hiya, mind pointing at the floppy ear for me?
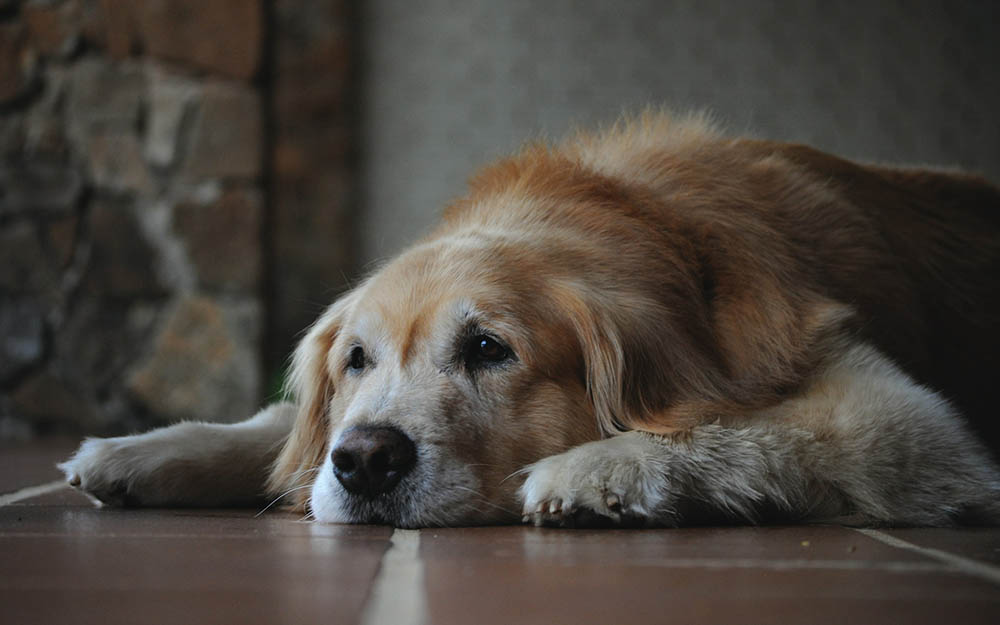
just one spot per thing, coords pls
(636, 361)
(603, 359)
(643, 373)
(309, 383)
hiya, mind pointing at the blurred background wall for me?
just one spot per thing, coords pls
(185, 184)
(450, 84)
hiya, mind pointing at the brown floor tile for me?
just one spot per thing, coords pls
(89, 521)
(616, 592)
(582, 547)
(704, 575)
(978, 543)
(100, 566)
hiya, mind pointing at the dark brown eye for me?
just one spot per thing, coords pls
(357, 359)
(482, 350)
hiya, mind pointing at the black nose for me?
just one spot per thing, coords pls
(369, 461)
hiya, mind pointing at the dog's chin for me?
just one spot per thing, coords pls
(422, 499)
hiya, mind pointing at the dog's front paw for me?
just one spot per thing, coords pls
(617, 482)
(109, 470)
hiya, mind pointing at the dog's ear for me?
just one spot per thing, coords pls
(635, 361)
(310, 385)
(603, 358)
(652, 369)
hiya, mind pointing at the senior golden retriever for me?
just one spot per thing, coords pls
(652, 325)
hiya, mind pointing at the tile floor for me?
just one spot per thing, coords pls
(64, 561)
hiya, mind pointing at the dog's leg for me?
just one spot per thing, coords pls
(187, 464)
(862, 442)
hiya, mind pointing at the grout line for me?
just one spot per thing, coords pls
(32, 491)
(961, 563)
(398, 595)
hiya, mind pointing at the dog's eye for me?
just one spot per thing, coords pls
(483, 350)
(357, 359)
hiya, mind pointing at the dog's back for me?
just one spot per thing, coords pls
(940, 317)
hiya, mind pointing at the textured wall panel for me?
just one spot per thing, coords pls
(451, 84)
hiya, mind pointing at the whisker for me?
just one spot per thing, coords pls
(308, 510)
(520, 471)
(279, 498)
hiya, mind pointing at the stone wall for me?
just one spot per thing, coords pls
(132, 199)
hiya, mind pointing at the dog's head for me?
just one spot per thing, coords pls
(433, 382)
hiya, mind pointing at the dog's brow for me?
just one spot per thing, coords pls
(414, 331)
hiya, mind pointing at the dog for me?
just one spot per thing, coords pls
(650, 325)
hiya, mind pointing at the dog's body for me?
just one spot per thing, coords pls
(655, 325)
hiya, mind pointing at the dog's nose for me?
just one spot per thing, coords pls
(369, 461)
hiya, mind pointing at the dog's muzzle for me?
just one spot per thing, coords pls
(370, 460)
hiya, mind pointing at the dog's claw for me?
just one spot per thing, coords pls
(613, 502)
(74, 480)
(555, 507)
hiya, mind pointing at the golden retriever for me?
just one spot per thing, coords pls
(651, 325)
